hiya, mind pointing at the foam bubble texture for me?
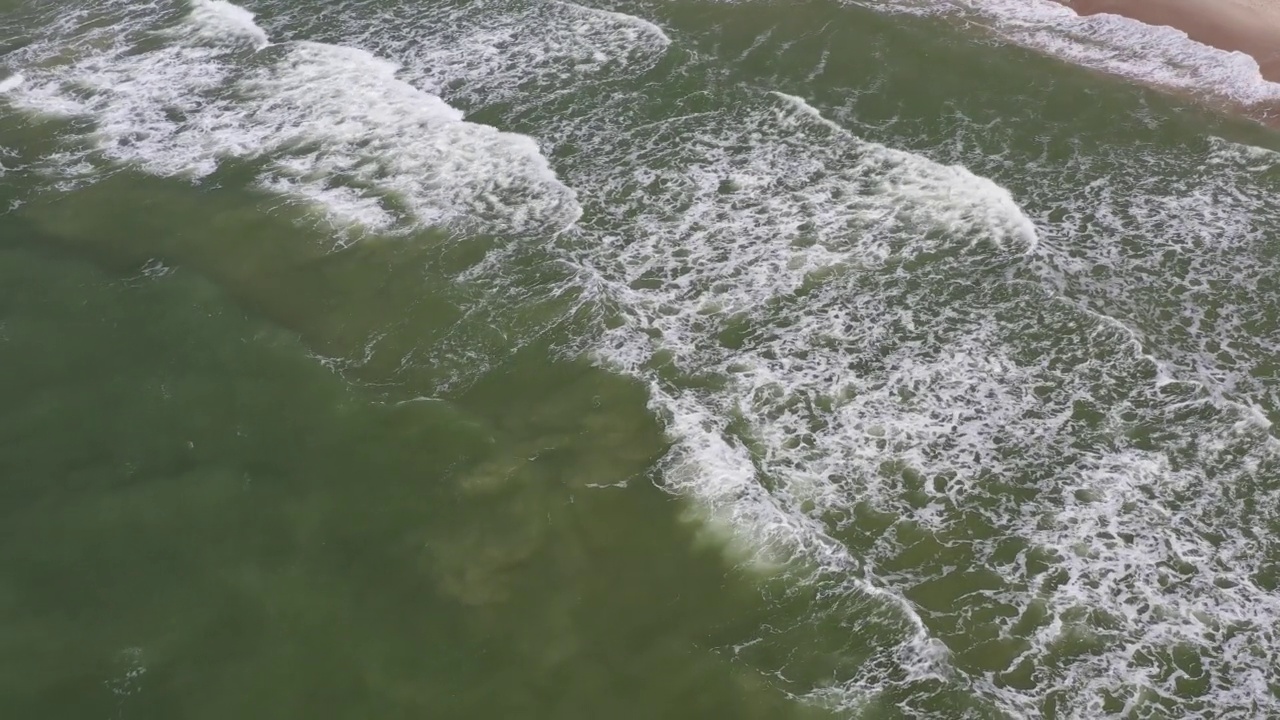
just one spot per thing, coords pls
(333, 123)
(829, 325)
(1155, 55)
(222, 22)
(493, 51)
(835, 331)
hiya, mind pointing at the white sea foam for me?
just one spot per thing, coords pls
(1155, 55)
(758, 232)
(1234, 156)
(634, 31)
(340, 206)
(1164, 542)
(341, 113)
(220, 21)
(1204, 234)
(791, 294)
(831, 326)
(332, 124)
(952, 196)
(10, 82)
(523, 52)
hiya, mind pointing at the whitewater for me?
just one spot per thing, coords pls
(1008, 402)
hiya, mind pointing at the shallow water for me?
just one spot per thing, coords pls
(534, 359)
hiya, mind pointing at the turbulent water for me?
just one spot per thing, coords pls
(897, 358)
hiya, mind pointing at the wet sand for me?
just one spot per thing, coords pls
(1248, 26)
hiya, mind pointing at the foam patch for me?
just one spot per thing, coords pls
(332, 125)
(881, 370)
(828, 324)
(1154, 55)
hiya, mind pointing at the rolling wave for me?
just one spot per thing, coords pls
(884, 376)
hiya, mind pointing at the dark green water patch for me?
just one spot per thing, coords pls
(200, 520)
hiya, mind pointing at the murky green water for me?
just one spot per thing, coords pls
(694, 360)
(201, 520)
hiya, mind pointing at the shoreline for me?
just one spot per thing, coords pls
(1251, 27)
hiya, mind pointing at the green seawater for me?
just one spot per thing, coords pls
(948, 394)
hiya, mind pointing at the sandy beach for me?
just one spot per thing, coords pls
(1248, 26)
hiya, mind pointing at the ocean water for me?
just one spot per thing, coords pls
(634, 359)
